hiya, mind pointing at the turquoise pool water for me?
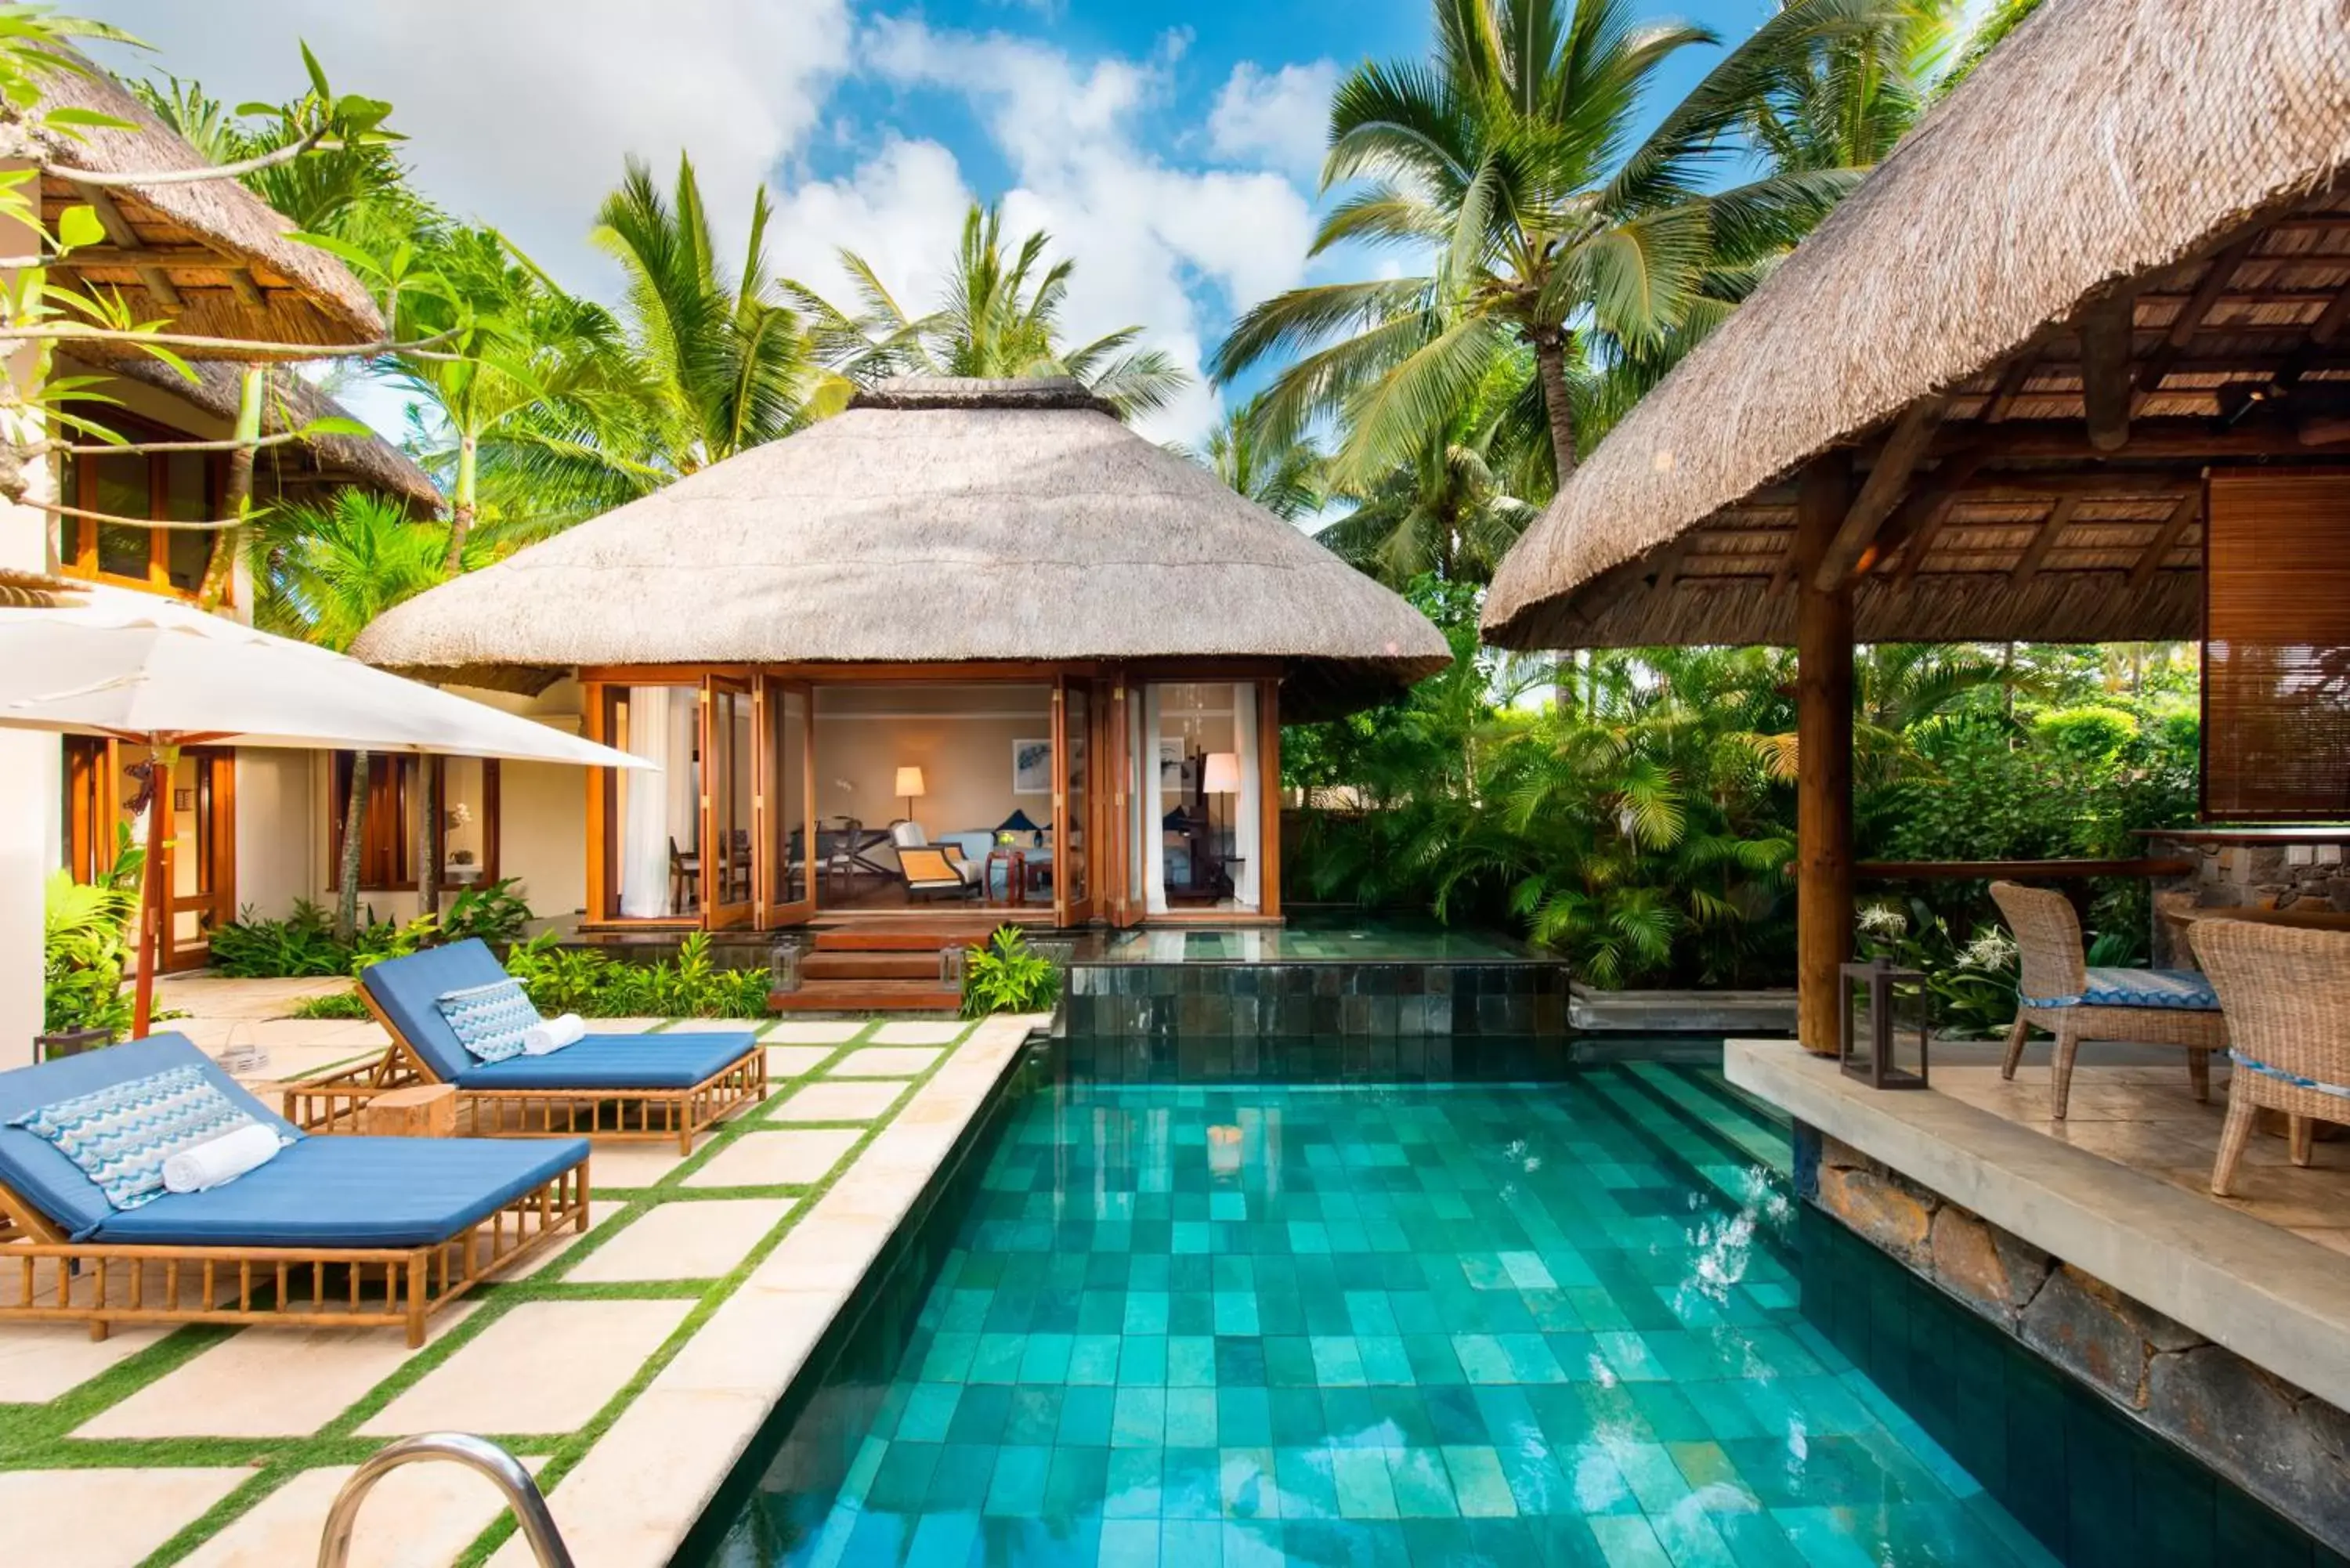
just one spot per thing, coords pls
(1181, 1327)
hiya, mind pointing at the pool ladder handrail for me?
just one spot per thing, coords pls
(504, 1471)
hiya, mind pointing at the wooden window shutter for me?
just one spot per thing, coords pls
(2276, 646)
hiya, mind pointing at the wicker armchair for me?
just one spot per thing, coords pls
(2287, 993)
(2062, 995)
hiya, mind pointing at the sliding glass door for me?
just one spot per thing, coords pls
(729, 891)
(1202, 805)
(1073, 800)
(786, 828)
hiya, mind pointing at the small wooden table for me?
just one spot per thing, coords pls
(1015, 877)
(420, 1110)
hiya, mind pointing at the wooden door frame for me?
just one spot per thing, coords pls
(717, 916)
(1068, 912)
(772, 913)
(215, 774)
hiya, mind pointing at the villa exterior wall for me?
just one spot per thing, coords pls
(2280, 1444)
(278, 852)
(542, 836)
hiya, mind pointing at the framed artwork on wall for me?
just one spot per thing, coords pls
(1031, 766)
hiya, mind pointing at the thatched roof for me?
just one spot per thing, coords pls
(2161, 173)
(931, 521)
(292, 402)
(209, 256)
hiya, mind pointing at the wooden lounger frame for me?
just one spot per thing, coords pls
(332, 1104)
(409, 1284)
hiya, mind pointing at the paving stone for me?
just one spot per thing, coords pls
(105, 1518)
(39, 1361)
(546, 1366)
(886, 1062)
(795, 1061)
(419, 1516)
(777, 1158)
(266, 1382)
(830, 1101)
(631, 1164)
(814, 1031)
(683, 1239)
(599, 1212)
(913, 1032)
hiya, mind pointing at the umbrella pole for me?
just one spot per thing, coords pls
(161, 762)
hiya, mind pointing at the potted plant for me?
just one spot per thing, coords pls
(86, 949)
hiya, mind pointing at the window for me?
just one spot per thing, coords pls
(168, 486)
(1200, 808)
(466, 835)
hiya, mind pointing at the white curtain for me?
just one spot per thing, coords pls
(660, 806)
(1246, 806)
(1150, 831)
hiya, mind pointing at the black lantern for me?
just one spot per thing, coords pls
(1883, 1008)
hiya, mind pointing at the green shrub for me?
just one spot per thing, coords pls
(597, 985)
(334, 1004)
(493, 912)
(86, 945)
(1006, 975)
(304, 944)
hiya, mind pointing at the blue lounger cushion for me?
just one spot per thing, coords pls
(617, 1062)
(54, 1184)
(353, 1193)
(410, 989)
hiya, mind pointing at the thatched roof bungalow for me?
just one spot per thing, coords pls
(2131, 204)
(1015, 549)
(2070, 366)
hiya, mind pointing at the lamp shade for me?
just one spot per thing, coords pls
(1223, 773)
(910, 781)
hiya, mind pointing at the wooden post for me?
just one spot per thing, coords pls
(1823, 745)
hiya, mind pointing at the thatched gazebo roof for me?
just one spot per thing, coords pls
(2117, 253)
(292, 402)
(933, 521)
(208, 257)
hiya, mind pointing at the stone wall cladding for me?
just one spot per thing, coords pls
(2285, 1446)
(2271, 876)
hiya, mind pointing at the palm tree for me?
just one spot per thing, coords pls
(1448, 510)
(2002, 18)
(1511, 163)
(324, 572)
(720, 360)
(1284, 477)
(999, 315)
(1844, 101)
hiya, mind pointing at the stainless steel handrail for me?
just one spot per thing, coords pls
(505, 1472)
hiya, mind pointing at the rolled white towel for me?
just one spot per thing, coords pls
(224, 1158)
(551, 1034)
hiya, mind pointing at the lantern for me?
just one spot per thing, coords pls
(1884, 1009)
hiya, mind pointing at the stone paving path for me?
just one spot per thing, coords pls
(629, 1368)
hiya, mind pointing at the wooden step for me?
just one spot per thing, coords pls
(864, 939)
(867, 996)
(861, 964)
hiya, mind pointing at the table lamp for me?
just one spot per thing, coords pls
(909, 785)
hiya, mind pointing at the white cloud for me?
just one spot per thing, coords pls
(1142, 232)
(521, 111)
(902, 211)
(1281, 117)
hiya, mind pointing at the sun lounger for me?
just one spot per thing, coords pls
(606, 1086)
(334, 1231)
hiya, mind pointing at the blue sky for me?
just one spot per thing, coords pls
(1170, 149)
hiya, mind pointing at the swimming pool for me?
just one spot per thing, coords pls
(1186, 1326)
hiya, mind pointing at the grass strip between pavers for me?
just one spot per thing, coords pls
(34, 1436)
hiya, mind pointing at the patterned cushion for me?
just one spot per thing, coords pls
(2186, 990)
(489, 1020)
(120, 1135)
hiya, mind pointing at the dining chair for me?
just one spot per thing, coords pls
(2286, 992)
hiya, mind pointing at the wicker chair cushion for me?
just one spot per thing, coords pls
(2185, 990)
(2339, 1091)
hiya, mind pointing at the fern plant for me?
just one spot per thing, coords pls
(85, 944)
(1006, 975)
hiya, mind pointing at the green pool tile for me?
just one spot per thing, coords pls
(1131, 1482)
(1139, 1420)
(1289, 1362)
(1192, 1484)
(1246, 1483)
(1236, 1313)
(1365, 1489)
(1101, 1311)
(1423, 1487)
(1077, 1483)
(1235, 1362)
(929, 1410)
(1755, 1541)
(1824, 1536)
(1479, 1486)
(1309, 1482)
(1092, 1358)
(1086, 1415)
(1691, 1540)
(1433, 1359)
(1537, 1486)
(1142, 1361)
(1337, 1362)
(1296, 1415)
(1244, 1418)
(1183, 1542)
(1531, 1359)
(1627, 1540)
(1191, 1418)
(1649, 1470)
(1045, 1358)
(1130, 1543)
(979, 1413)
(950, 1357)
(1384, 1360)
(902, 1478)
(1629, 1357)
(1482, 1359)
(1146, 1313)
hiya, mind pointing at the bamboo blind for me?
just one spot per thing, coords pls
(2276, 646)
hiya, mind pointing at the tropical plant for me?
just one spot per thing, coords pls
(597, 985)
(1844, 100)
(86, 941)
(335, 1004)
(719, 359)
(1004, 974)
(493, 911)
(1511, 163)
(1998, 20)
(301, 945)
(999, 314)
(1284, 475)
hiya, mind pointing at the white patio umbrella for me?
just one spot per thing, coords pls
(87, 659)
